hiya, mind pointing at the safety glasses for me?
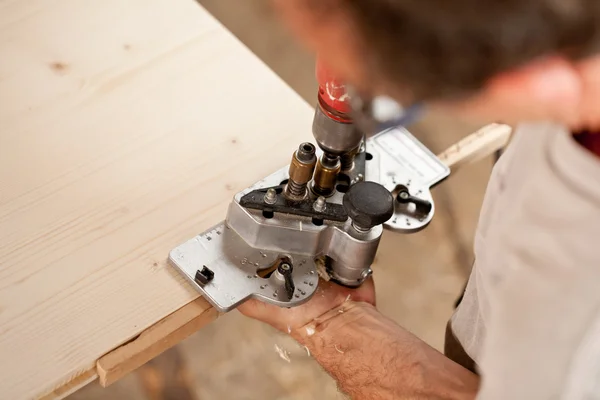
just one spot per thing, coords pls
(381, 113)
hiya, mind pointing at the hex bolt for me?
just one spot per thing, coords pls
(320, 204)
(359, 178)
(271, 196)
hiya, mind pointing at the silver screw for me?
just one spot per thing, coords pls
(320, 204)
(359, 178)
(366, 273)
(271, 196)
(285, 267)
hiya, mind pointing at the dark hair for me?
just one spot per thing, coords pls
(447, 48)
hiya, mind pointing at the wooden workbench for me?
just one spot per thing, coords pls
(125, 129)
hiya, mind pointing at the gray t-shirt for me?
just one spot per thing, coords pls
(530, 316)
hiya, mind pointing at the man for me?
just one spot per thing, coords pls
(530, 317)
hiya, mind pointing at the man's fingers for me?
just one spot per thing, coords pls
(328, 295)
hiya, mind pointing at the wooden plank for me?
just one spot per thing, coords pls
(72, 385)
(156, 339)
(175, 328)
(476, 146)
(125, 128)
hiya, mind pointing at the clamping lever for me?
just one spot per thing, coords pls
(286, 269)
(404, 197)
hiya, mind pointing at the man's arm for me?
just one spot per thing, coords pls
(371, 357)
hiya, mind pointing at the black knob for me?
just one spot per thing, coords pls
(368, 204)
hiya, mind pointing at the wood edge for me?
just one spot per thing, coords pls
(71, 386)
(191, 317)
(477, 146)
(159, 337)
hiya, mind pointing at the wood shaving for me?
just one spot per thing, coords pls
(338, 350)
(347, 298)
(310, 330)
(284, 354)
(322, 271)
(289, 329)
(307, 351)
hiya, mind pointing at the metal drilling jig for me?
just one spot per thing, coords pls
(322, 215)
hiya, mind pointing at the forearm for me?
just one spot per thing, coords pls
(371, 357)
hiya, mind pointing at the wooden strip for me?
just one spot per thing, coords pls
(477, 146)
(155, 340)
(190, 318)
(72, 386)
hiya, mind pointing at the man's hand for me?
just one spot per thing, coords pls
(327, 297)
(368, 354)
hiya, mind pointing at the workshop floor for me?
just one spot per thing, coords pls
(418, 277)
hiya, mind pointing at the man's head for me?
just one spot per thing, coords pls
(494, 59)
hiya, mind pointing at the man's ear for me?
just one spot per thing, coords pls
(548, 89)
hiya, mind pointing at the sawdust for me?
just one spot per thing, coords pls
(338, 350)
(347, 298)
(310, 330)
(283, 354)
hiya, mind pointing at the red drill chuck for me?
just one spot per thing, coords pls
(334, 99)
(332, 127)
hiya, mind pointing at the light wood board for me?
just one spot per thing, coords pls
(125, 129)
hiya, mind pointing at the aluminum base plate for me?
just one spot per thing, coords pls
(237, 268)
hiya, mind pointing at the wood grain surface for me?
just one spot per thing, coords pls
(125, 128)
(160, 337)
